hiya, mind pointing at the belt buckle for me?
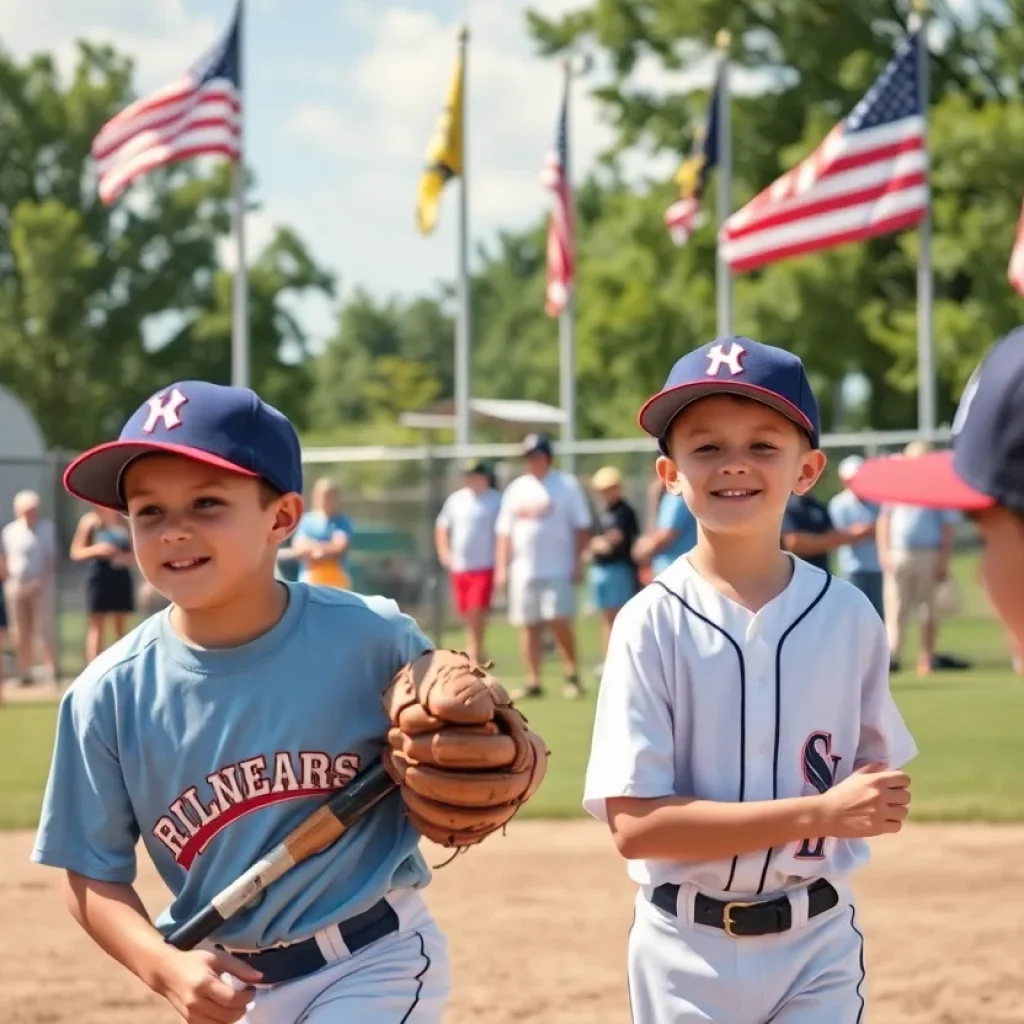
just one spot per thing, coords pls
(727, 921)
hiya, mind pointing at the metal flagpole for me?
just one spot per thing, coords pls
(723, 275)
(462, 331)
(926, 414)
(240, 297)
(567, 320)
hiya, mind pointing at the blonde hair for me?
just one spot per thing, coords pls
(323, 486)
(916, 448)
(25, 500)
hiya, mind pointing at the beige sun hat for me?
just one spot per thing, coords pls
(605, 478)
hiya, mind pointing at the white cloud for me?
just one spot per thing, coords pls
(388, 103)
(162, 35)
(339, 156)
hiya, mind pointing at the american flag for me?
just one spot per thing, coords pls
(561, 255)
(869, 177)
(1016, 269)
(199, 114)
(684, 216)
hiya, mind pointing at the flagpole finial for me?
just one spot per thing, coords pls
(723, 38)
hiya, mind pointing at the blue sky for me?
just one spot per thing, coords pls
(342, 98)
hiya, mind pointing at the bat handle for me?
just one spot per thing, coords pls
(197, 928)
(320, 830)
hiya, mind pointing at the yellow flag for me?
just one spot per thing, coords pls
(444, 156)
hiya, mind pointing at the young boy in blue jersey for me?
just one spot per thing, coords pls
(214, 728)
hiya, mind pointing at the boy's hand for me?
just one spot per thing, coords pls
(873, 801)
(191, 982)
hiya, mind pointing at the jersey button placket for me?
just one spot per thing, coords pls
(760, 714)
(759, 746)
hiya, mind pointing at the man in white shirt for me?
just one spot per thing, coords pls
(465, 541)
(543, 529)
(30, 551)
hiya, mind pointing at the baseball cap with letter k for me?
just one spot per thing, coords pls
(739, 366)
(228, 427)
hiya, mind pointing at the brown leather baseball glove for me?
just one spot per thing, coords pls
(463, 757)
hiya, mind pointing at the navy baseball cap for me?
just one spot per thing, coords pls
(986, 464)
(734, 365)
(227, 427)
(537, 444)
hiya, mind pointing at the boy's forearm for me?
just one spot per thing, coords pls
(115, 919)
(686, 829)
(441, 544)
(502, 550)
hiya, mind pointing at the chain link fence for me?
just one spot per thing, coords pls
(393, 495)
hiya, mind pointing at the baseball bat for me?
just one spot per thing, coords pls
(316, 833)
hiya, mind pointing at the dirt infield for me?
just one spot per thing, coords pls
(934, 954)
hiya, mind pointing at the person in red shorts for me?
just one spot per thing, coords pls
(465, 540)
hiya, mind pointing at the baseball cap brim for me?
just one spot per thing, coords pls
(661, 409)
(929, 480)
(95, 476)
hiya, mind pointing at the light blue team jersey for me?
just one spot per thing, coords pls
(846, 510)
(213, 756)
(914, 527)
(316, 527)
(674, 514)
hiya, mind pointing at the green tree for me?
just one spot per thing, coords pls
(82, 284)
(851, 309)
(385, 358)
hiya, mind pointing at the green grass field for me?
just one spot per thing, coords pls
(967, 725)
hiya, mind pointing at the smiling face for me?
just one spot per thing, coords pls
(204, 536)
(735, 462)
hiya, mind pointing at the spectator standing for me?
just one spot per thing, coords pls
(613, 573)
(543, 529)
(30, 550)
(103, 541)
(323, 539)
(858, 562)
(914, 548)
(465, 541)
(809, 533)
(674, 533)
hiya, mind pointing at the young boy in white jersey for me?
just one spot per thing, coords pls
(746, 742)
(217, 725)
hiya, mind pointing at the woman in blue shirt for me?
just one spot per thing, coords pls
(323, 539)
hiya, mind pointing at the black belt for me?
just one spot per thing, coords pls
(286, 963)
(742, 919)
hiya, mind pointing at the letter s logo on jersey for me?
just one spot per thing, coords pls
(820, 766)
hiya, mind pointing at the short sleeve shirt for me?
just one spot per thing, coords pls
(805, 514)
(674, 514)
(701, 697)
(540, 517)
(212, 756)
(470, 519)
(621, 517)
